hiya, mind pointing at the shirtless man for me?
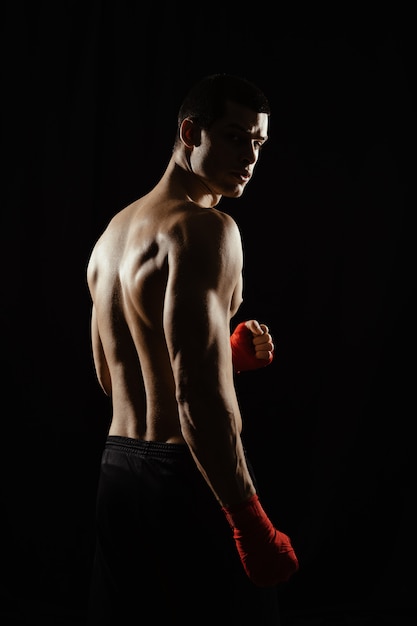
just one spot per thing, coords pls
(181, 532)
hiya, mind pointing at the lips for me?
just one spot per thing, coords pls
(242, 176)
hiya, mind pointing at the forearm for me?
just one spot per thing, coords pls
(266, 553)
(212, 434)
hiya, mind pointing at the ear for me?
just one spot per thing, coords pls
(190, 133)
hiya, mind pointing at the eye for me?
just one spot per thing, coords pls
(236, 138)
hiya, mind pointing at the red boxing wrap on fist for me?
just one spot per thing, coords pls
(243, 351)
(266, 553)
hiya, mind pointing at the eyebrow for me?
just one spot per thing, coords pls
(236, 126)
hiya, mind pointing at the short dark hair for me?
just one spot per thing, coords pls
(206, 100)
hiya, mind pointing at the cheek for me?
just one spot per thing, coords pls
(203, 161)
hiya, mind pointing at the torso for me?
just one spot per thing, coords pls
(127, 275)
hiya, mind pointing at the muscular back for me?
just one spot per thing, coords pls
(165, 279)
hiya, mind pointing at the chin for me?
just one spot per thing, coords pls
(233, 192)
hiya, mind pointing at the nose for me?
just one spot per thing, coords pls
(249, 153)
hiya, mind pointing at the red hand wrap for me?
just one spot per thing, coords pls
(266, 553)
(243, 351)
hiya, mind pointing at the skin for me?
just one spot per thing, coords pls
(165, 280)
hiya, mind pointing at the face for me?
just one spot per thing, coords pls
(225, 156)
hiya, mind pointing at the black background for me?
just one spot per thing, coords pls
(90, 92)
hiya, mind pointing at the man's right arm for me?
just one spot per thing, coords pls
(204, 269)
(202, 280)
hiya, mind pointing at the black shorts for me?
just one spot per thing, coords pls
(165, 552)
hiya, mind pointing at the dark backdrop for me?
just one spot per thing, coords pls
(90, 92)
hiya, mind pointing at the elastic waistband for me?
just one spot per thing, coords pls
(155, 449)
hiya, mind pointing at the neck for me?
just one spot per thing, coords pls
(184, 183)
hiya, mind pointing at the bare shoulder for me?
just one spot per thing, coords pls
(205, 255)
(206, 231)
(111, 244)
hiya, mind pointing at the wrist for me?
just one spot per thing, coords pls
(245, 513)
